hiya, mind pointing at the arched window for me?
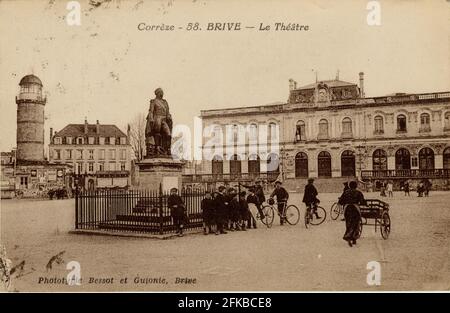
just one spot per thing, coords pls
(425, 125)
(235, 166)
(217, 166)
(254, 165)
(300, 131)
(447, 121)
(253, 133)
(426, 159)
(402, 159)
(379, 160)
(273, 132)
(324, 164)
(446, 157)
(347, 131)
(273, 166)
(379, 125)
(323, 129)
(348, 163)
(301, 165)
(401, 123)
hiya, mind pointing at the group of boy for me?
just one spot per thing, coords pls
(228, 209)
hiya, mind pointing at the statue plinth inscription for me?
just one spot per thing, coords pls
(158, 167)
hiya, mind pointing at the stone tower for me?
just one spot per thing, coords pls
(30, 120)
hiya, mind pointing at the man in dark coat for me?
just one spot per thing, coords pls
(252, 198)
(310, 196)
(177, 210)
(350, 199)
(282, 197)
(220, 210)
(208, 213)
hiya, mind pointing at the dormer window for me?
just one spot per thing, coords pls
(69, 140)
(101, 140)
(123, 140)
(57, 140)
(112, 141)
(80, 141)
(91, 140)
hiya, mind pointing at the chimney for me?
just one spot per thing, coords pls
(128, 133)
(291, 84)
(85, 126)
(97, 128)
(51, 134)
(361, 85)
(295, 84)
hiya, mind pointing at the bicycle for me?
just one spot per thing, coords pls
(336, 210)
(311, 215)
(290, 213)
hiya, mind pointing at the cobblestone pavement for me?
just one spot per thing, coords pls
(415, 257)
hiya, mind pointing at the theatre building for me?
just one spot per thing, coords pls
(330, 131)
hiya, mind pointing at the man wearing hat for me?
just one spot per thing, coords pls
(282, 197)
(310, 196)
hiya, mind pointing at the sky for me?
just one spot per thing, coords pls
(107, 70)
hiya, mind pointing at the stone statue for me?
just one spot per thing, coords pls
(158, 129)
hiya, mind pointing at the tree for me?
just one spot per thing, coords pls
(137, 135)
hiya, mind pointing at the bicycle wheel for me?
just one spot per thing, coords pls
(322, 216)
(269, 215)
(335, 211)
(292, 214)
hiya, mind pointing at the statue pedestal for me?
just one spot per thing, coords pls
(155, 171)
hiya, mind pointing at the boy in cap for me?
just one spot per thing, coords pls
(177, 210)
(207, 206)
(220, 210)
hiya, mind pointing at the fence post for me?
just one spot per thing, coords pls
(161, 218)
(76, 208)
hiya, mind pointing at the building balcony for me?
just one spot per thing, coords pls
(384, 174)
(378, 132)
(425, 129)
(230, 178)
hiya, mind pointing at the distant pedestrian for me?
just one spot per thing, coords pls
(427, 187)
(390, 189)
(420, 189)
(177, 210)
(383, 189)
(406, 188)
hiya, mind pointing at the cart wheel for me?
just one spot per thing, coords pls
(292, 214)
(385, 226)
(335, 211)
(268, 215)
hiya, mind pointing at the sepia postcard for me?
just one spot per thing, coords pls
(223, 146)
